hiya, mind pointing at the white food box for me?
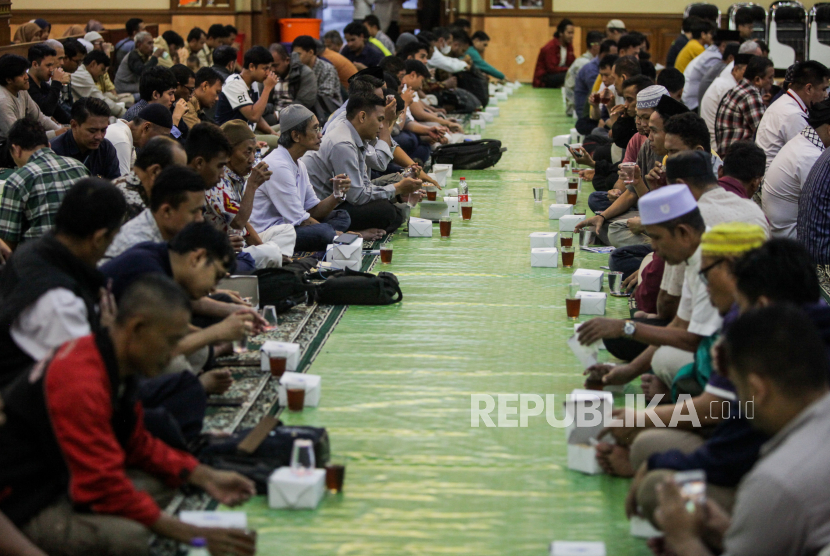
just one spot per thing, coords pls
(296, 491)
(439, 167)
(555, 212)
(440, 175)
(555, 161)
(583, 458)
(419, 227)
(452, 203)
(558, 184)
(345, 252)
(581, 454)
(434, 210)
(352, 265)
(574, 136)
(547, 257)
(543, 239)
(479, 123)
(642, 528)
(600, 343)
(561, 197)
(577, 548)
(588, 280)
(226, 520)
(491, 89)
(488, 116)
(309, 383)
(287, 349)
(593, 303)
(560, 140)
(501, 96)
(568, 222)
(494, 110)
(556, 172)
(451, 192)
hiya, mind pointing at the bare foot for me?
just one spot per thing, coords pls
(217, 381)
(614, 459)
(652, 386)
(603, 452)
(371, 234)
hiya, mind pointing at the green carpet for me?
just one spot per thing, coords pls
(476, 318)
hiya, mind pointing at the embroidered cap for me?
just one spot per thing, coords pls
(667, 203)
(650, 96)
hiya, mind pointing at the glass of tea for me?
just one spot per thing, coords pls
(467, 210)
(627, 171)
(446, 226)
(572, 302)
(335, 473)
(572, 194)
(568, 256)
(566, 239)
(296, 398)
(386, 253)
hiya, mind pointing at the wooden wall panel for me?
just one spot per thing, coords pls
(511, 36)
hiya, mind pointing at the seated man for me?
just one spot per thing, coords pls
(358, 50)
(177, 199)
(727, 58)
(134, 64)
(86, 142)
(741, 173)
(594, 40)
(46, 82)
(50, 290)
(224, 61)
(551, 67)
(328, 85)
(86, 78)
(185, 85)
(77, 415)
(33, 193)
(345, 68)
(104, 82)
(158, 86)
(727, 80)
(297, 83)
(785, 178)
(231, 200)
(287, 197)
(712, 56)
(377, 36)
(703, 34)
(153, 121)
(471, 79)
(207, 86)
(480, 41)
(343, 151)
(774, 350)
(196, 39)
(741, 109)
(241, 97)
(74, 53)
(15, 102)
(136, 186)
(127, 44)
(674, 82)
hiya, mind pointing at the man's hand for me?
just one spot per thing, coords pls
(595, 221)
(107, 48)
(599, 329)
(271, 81)
(635, 225)
(228, 487)
(613, 194)
(61, 76)
(345, 182)
(5, 251)
(435, 133)
(158, 53)
(681, 527)
(235, 327)
(455, 127)
(407, 186)
(631, 282)
(656, 176)
(583, 157)
(107, 306)
(230, 541)
(611, 374)
(179, 110)
(237, 242)
(390, 112)
(408, 96)
(259, 175)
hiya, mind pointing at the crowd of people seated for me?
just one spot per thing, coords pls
(128, 199)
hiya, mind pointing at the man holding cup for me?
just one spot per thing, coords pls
(288, 197)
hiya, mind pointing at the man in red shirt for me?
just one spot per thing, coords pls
(74, 429)
(555, 57)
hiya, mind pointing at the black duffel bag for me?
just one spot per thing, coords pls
(470, 155)
(286, 287)
(348, 287)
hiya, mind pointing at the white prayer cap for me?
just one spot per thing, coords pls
(667, 203)
(650, 96)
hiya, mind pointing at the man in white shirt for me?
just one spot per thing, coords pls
(728, 80)
(288, 197)
(152, 121)
(84, 81)
(440, 58)
(785, 177)
(786, 117)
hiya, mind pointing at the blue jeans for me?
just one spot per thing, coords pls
(411, 145)
(628, 259)
(598, 201)
(317, 236)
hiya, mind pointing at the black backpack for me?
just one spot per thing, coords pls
(286, 287)
(349, 287)
(470, 155)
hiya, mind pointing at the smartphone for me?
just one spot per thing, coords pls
(346, 239)
(692, 486)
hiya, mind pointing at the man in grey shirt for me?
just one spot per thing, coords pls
(779, 365)
(343, 151)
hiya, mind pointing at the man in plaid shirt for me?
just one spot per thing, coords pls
(741, 109)
(33, 193)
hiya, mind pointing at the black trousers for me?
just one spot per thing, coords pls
(174, 407)
(381, 214)
(553, 80)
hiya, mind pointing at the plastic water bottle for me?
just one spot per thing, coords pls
(257, 157)
(462, 187)
(198, 547)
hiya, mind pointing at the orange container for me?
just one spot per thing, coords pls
(290, 29)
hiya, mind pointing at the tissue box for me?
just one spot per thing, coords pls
(568, 548)
(501, 96)
(560, 140)
(593, 303)
(309, 383)
(588, 280)
(568, 222)
(452, 203)
(433, 210)
(226, 520)
(488, 116)
(418, 227)
(294, 491)
(479, 122)
(558, 172)
(555, 212)
(289, 350)
(543, 239)
(557, 184)
(643, 529)
(583, 458)
(547, 257)
(353, 265)
(494, 110)
(343, 252)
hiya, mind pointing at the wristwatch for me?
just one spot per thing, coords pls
(629, 329)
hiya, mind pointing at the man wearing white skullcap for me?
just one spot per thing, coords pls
(288, 196)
